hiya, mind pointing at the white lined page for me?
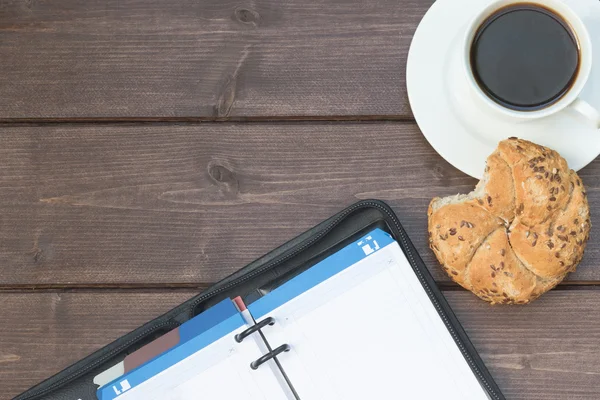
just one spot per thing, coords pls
(371, 332)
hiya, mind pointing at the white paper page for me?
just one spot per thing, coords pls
(371, 332)
(220, 371)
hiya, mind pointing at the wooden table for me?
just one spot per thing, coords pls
(150, 148)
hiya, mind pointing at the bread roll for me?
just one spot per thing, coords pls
(522, 229)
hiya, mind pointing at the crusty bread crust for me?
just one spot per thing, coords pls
(522, 229)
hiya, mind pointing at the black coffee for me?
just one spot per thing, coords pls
(525, 57)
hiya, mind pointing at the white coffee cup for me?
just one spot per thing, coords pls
(570, 99)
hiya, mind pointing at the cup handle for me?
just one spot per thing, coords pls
(585, 109)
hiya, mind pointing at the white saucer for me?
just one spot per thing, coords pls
(464, 136)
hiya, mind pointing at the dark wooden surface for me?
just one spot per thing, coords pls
(157, 204)
(211, 58)
(114, 190)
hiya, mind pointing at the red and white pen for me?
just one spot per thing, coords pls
(239, 303)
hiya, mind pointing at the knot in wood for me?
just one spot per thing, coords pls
(221, 174)
(246, 16)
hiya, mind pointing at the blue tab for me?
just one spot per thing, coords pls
(178, 353)
(207, 319)
(337, 262)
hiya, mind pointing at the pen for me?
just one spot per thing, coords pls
(239, 303)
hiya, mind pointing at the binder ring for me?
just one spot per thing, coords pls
(281, 349)
(241, 336)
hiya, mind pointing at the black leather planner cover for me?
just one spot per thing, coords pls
(256, 279)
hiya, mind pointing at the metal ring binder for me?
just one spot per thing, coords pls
(241, 336)
(274, 353)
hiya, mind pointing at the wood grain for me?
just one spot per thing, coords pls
(190, 204)
(547, 350)
(211, 59)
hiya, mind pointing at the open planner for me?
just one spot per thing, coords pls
(315, 337)
(345, 311)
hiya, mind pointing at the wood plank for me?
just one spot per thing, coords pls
(212, 59)
(547, 350)
(122, 204)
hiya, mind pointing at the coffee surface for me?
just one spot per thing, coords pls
(525, 57)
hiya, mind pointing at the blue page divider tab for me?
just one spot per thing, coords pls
(146, 371)
(337, 262)
(207, 319)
